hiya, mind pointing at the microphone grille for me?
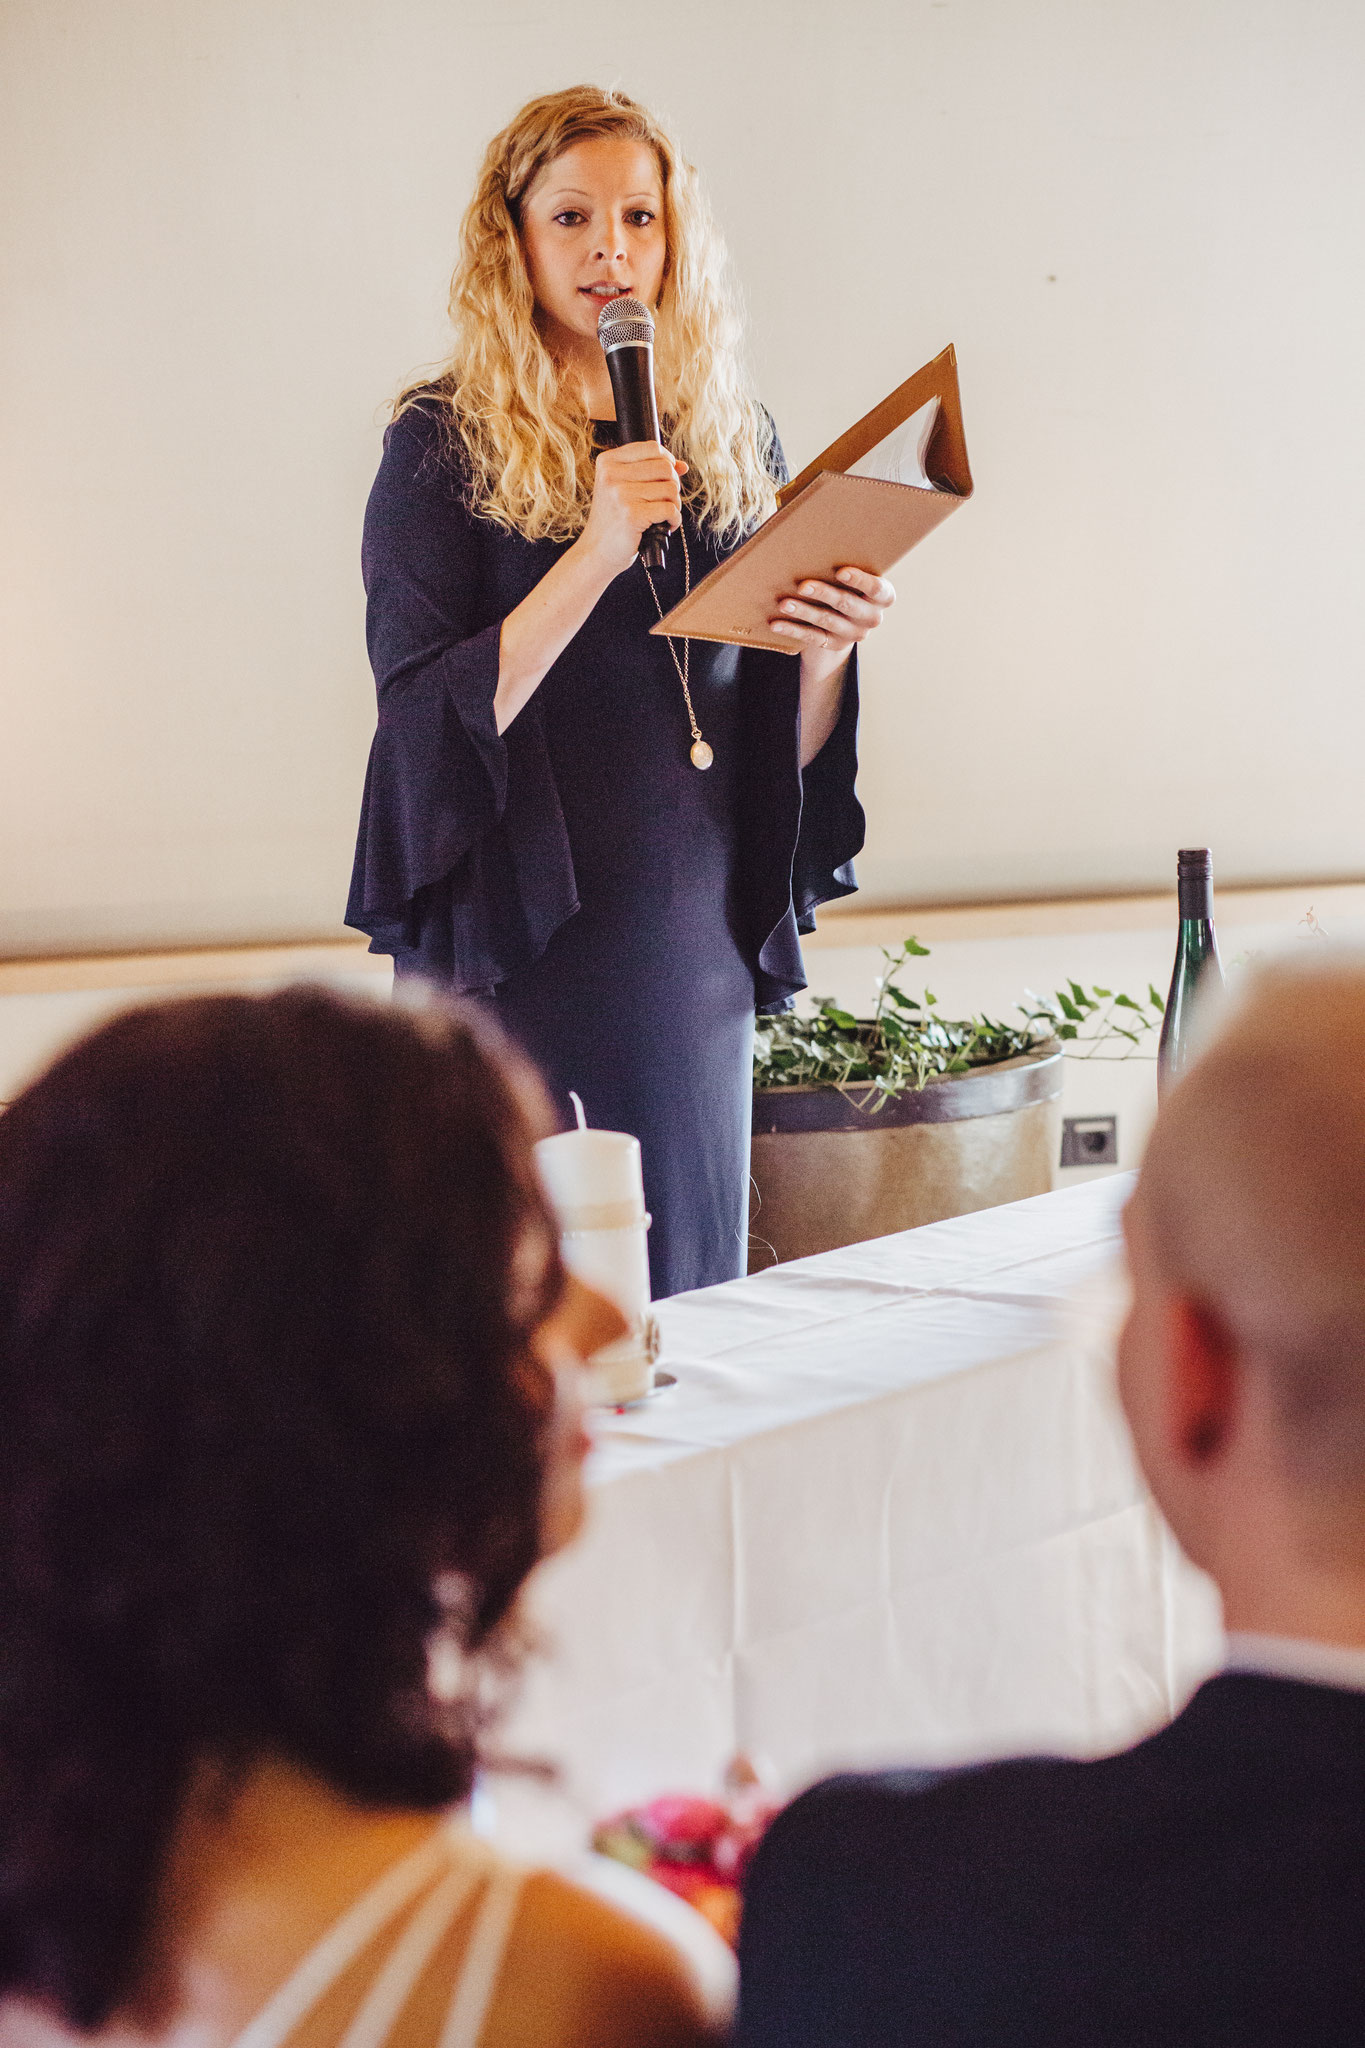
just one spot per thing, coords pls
(625, 323)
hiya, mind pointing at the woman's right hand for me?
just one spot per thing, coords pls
(635, 487)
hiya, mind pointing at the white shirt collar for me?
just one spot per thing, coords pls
(1297, 1657)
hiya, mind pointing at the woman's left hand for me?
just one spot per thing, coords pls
(833, 616)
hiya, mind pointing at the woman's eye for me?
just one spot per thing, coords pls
(568, 219)
(641, 218)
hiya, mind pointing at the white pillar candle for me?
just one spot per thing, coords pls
(596, 1188)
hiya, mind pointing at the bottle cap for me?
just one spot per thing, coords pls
(1194, 860)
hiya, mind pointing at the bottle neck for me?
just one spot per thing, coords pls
(1196, 898)
(1197, 948)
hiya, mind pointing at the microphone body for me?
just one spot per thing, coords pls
(625, 328)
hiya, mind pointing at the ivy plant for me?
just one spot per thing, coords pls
(905, 1043)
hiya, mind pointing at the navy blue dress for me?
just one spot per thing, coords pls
(622, 912)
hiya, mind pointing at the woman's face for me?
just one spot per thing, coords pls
(592, 226)
(582, 1323)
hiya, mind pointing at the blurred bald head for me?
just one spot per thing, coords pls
(1252, 1203)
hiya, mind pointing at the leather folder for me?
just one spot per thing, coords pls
(827, 519)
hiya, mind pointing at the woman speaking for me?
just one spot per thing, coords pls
(612, 838)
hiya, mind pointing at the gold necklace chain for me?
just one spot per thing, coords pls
(701, 755)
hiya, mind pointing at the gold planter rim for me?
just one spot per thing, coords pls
(949, 1098)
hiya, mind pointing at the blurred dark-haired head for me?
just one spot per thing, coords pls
(269, 1271)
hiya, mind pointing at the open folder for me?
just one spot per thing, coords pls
(862, 504)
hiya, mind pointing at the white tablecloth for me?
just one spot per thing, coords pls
(889, 1512)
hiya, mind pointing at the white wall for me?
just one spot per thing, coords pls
(227, 234)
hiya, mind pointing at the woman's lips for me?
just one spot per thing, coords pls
(603, 293)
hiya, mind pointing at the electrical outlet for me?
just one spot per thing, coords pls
(1090, 1141)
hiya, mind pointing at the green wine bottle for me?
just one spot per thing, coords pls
(1196, 963)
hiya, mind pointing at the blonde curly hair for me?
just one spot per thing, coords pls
(525, 440)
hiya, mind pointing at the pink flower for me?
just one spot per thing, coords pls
(684, 1827)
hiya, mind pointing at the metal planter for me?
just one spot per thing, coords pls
(827, 1172)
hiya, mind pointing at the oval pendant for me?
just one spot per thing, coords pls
(702, 757)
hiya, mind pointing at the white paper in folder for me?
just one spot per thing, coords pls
(901, 457)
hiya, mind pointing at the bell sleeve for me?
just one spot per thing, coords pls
(462, 859)
(833, 825)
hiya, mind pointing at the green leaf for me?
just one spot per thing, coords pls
(1156, 1001)
(905, 1043)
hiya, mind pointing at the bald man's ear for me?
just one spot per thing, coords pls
(1203, 1382)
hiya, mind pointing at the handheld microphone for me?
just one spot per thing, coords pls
(625, 328)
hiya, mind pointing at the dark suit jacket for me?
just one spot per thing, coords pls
(1207, 1886)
